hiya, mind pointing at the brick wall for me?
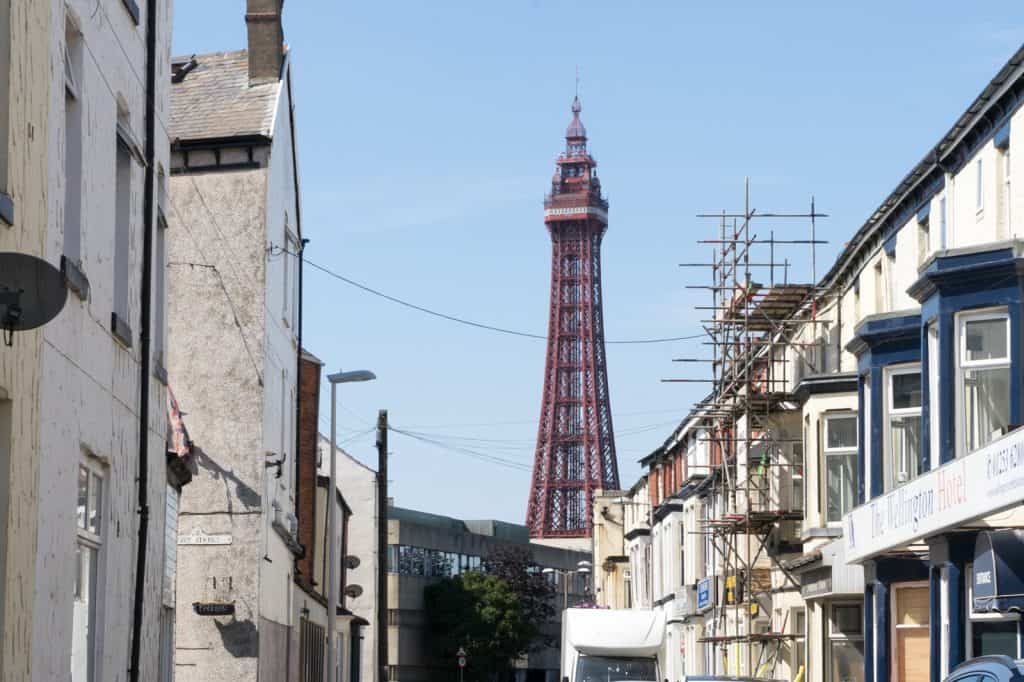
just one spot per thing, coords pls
(309, 402)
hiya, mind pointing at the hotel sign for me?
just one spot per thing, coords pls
(971, 487)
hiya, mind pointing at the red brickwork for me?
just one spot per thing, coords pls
(309, 415)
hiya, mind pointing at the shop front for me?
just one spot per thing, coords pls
(942, 556)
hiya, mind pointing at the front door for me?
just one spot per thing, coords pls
(911, 641)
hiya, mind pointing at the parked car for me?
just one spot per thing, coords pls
(988, 669)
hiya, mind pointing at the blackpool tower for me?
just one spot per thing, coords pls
(575, 444)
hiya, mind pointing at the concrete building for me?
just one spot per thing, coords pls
(88, 494)
(235, 230)
(360, 486)
(422, 548)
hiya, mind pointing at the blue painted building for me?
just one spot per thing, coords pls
(939, 367)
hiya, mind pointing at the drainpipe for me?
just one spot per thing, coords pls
(144, 339)
(300, 258)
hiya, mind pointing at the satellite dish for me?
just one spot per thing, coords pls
(32, 292)
(353, 591)
(351, 561)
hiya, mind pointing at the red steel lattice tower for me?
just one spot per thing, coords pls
(575, 442)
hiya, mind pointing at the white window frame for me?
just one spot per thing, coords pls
(891, 481)
(837, 636)
(979, 186)
(962, 320)
(86, 538)
(836, 452)
(799, 637)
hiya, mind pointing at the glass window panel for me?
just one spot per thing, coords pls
(985, 339)
(846, 620)
(841, 432)
(847, 660)
(83, 495)
(986, 396)
(95, 503)
(905, 444)
(906, 391)
(841, 476)
(990, 637)
(84, 617)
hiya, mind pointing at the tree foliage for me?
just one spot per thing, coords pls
(496, 614)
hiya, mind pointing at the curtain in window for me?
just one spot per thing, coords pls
(986, 404)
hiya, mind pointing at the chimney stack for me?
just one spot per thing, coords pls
(266, 40)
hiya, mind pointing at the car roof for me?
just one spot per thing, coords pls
(988, 663)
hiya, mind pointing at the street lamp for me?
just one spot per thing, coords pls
(582, 568)
(332, 516)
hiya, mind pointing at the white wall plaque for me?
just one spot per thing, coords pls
(201, 537)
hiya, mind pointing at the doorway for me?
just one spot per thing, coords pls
(912, 641)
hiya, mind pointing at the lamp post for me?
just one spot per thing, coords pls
(582, 568)
(332, 517)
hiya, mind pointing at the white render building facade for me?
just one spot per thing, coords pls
(84, 430)
(899, 503)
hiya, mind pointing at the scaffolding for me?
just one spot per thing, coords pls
(753, 425)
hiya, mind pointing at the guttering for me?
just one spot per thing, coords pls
(1003, 93)
(144, 341)
(301, 261)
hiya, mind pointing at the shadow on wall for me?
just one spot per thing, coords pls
(246, 495)
(239, 638)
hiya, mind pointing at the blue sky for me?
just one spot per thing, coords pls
(427, 135)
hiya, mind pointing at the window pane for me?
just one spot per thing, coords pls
(841, 432)
(84, 617)
(905, 443)
(994, 637)
(986, 396)
(846, 620)
(83, 494)
(906, 391)
(95, 503)
(841, 474)
(847, 661)
(985, 340)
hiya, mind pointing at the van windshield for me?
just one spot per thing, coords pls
(615, 669)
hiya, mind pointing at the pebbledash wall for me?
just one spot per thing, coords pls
(234, 319)
(25, 59)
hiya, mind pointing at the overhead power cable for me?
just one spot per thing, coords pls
(461, 320)
(475, 454)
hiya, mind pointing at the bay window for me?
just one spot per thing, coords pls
(846, 643)
(840, 465)
(983, 390)
(903, 425)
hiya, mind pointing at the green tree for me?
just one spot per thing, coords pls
(495, 614)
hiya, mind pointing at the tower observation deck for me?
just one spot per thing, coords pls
(575, 442)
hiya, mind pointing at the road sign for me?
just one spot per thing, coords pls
(461, 655)
(462, 661)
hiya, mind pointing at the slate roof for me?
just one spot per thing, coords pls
(215, 100)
